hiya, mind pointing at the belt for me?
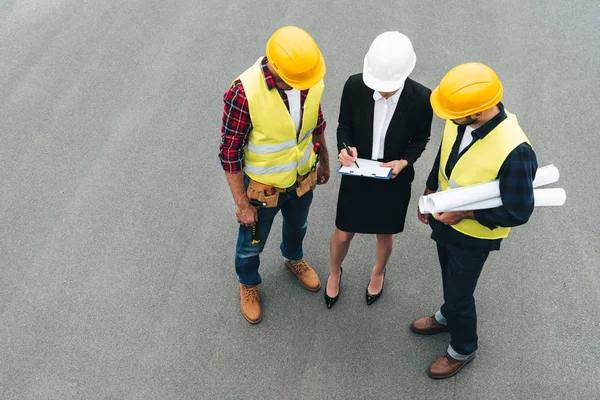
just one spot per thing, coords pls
(287, 189)
(290, 188)
(294, 186)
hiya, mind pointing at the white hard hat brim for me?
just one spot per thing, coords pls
(385, 86)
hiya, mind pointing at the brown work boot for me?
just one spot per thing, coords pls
(428, 326)
(250, 303)
(305, 274)
(446, 366)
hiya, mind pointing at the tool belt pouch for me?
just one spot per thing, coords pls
(306, 183)
(256, 191)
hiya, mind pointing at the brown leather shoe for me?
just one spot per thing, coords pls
(428, 326)
(446, 366)
(250, 303)
(305, 274)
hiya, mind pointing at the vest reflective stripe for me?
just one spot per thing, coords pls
(308, 155)
(274, 145)
(253, 169)
(273, 148)
(291, 166)
(442, 173)
(306, 135)
(480, 163)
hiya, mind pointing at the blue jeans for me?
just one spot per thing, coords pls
(460, 272)
(294, 211)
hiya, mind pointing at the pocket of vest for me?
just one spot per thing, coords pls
(306, 183)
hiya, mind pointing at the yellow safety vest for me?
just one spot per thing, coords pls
(276, 154)
(481, 163)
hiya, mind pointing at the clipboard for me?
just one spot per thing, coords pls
(368, 169)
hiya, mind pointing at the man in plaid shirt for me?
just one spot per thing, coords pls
(273, 129)
(482, 142)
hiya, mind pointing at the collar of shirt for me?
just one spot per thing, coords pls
(486, 128)
(269, 80)
(394, 97)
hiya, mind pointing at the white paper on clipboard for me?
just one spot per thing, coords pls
(368, 169)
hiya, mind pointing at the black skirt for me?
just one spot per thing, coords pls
(367, 205)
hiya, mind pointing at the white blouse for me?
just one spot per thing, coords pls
(294, 103)
(384, 110)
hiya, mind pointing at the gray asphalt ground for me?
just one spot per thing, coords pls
(117, 228)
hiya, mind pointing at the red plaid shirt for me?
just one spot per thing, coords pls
(237, 124)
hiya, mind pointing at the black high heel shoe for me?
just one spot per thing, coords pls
(330, 301)
(372, 298)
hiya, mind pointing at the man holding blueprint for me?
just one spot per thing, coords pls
(482, 142)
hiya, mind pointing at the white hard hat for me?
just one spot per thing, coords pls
(391, 58)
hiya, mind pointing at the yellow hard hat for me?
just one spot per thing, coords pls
(295, 57)
(466, 90)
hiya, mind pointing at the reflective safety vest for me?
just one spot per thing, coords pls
(480, 163)
(276, 154)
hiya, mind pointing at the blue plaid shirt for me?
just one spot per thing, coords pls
(516, 190)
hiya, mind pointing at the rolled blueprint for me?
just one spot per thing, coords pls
(543, 198)
(453, 198)
(545, 176)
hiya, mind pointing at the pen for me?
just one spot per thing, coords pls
(350, 153)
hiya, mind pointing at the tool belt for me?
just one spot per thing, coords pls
(270, 195)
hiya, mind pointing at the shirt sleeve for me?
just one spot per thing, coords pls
(235, 129)
(345, 129)
(432, 180)
(321, 124)
(516, 190)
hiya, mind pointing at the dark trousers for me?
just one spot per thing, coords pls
(460, 272)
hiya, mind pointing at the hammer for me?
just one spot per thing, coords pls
(257, 204)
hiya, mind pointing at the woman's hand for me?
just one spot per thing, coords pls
(396, 165)
(347, 159)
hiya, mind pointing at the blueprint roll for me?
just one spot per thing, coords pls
(543, 198)
(545, 176)
(459, 197)
(550, 197)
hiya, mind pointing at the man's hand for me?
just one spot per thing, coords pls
(396, 165)
(347, 159)
(424, 217)
(246, 214)
(323, 172)
(454, 217)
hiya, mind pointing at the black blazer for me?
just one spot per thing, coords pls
(409, 130)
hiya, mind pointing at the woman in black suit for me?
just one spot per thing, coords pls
(385, 116)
